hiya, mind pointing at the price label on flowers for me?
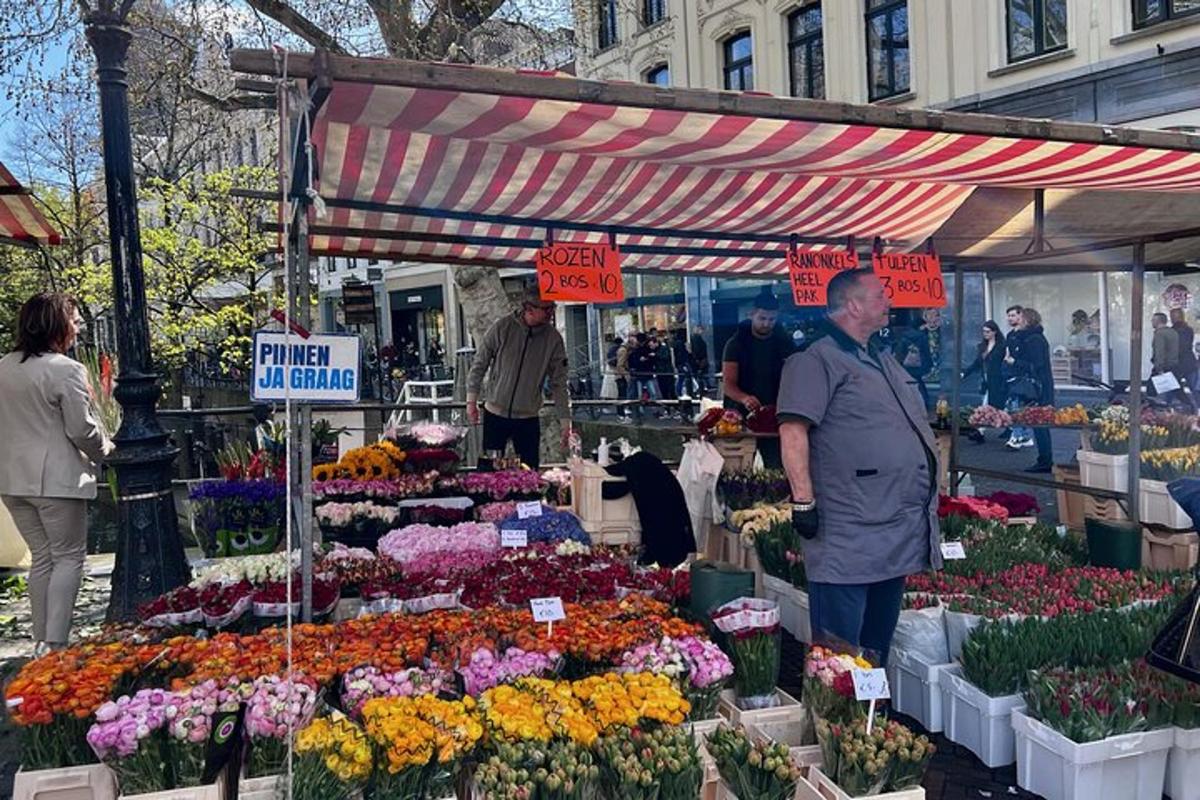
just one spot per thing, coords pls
(911, 280)
(811, 270)
(547, 609)
(515, 538)
(530, 509)
(953, 551)
(870, 684)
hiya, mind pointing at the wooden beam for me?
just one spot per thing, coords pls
(252, 85)
(482, 80)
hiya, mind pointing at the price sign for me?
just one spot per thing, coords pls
(515, 538)
(586, 272)
(911, 280)
(811, 270)
(547, 609)
(870, 684)
(953, 551)
(1167, 382)
(530, 509)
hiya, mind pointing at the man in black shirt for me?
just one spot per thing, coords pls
(699, 354)
(753, 363)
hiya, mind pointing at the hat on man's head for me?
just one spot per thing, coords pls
(531, 296)
(766, 300)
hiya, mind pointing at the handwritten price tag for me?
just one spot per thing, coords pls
(514, 538)
(528, 510)
(953, 551)
(870, 684)
(547, 609)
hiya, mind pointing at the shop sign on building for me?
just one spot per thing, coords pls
(811, 270)
(324, 368)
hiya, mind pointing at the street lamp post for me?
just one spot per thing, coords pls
(150, 558)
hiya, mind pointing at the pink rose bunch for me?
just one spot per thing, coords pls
(366, 683)
(497, 512)
(504, 484)
(403, 545)
(484, 670)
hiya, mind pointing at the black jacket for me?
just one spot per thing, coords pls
(642, 361)
(699, 352)
(1187, 353)
(1031, 356)
(991, 369)
(667, 537)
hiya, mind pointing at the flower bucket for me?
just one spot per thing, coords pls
(91, 782)
(785, 707)
(1157, 507)
(1102, 471)
(916, 688)
(1127, 767)
(268, 787)
(979, 722)
(1183, 766)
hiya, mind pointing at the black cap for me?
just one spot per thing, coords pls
(766, 300)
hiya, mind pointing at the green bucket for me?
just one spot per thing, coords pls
(1116, 544)
(715, 583)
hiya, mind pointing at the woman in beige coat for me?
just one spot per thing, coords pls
(51, 445)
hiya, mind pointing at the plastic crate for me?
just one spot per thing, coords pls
(587, 501)
(1183, 766)
(916, 688)
(1157, 507)
(816, 785)
(269, 787)
(1128, 767)
(738, 452)
(794, 616)
(212, 791)
(1070, 504)
(1169, 551)
(92, 782)
(788, 708)
(1108, 510)
(1102, 471)
(980, 723)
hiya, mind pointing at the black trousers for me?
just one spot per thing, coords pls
(526, 436)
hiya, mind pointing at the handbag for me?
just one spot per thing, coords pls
(1024, 389)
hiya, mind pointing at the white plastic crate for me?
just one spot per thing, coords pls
(92, 782)
(1183, 766)
(1128, 767)
(916, 688)
(1157, 507)
(980, 723)
(816, 785)
(794, 617)
(269, 787)
(212, 791)
(1102, 471)
(787, 708)
(797, 734)
(597, 515)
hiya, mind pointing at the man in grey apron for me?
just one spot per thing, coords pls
(862, 464)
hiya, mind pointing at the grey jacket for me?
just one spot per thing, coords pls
(517, 360)
(1164, 349)
(51, 438)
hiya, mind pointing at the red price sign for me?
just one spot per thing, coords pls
(811, 270)
(589, 273)
(911, 280)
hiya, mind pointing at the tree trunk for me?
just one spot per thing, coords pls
(483, 298)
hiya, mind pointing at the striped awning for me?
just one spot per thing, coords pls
(424, 172)
(20, 221)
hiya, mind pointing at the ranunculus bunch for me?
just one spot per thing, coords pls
(484, 670)
(333, 761)
(403, 545)
(698, 666)
(421, 741)
(366, 683)
(276, 710)
(127, 737)
(503, 485)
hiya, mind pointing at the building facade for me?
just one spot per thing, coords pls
(1127, 62)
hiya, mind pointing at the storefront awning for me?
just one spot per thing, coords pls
(20, 221)
(445, 163)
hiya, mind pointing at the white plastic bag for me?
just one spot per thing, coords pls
(922, 632)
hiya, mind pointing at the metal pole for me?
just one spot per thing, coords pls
(1135, 379)
(150, 560)
(956, 381)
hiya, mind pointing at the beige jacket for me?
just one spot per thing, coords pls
(50, 441)
(517, 360)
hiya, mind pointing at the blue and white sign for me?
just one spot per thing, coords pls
(324, 368)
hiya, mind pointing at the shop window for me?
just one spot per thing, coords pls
(653, 11)
(806, 52)
(1035, 27)
(887, 48)
(1152, 12)
(608, 24)
(739, 62)
(659, 76)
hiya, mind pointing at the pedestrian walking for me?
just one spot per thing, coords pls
(1033, 384)
(989, 363)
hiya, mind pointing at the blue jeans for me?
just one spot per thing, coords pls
(858, 614)
(1017, 433)
(636, 385)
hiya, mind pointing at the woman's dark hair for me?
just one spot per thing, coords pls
(995, 329)
(44, 323)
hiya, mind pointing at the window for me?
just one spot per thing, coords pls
(608, 23)
(739, 62)
(887, 48)
(1152, 12)
(653, 11)
(659, 76)
(1036, 27)
(806, 52)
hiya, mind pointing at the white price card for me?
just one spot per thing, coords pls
(953, 551)
(515, 538)
(1167, 382)
(547, 609)
(870, 684)
(531, 509)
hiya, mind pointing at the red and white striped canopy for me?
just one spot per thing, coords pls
(512, 164)
(20, 221)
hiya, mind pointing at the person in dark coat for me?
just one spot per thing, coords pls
(989, 363)
(667, 536)
(1030, 356)
(1187, 352)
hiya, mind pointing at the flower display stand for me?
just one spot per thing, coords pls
(1102, 471)
(916, 688)
(1128, 767)
(91, 782)
(1170, 551)
(978, 722)
(788, 708)
(1159, 508)
(816, 785)
(1183, 766)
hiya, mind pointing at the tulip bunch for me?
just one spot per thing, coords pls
(1072, 415)
(484, 670)
(890, 758)
(1111, 437)
(276, 709)
(780, 551)
(741, 490)
(1034, 415)
(829, 684)
(659, 764)
(333, 760)
(1087, 704)
(530, 770)
(989, 417)
(759, 518)
(753, 771)
(420, 741)
(1170, 464)
(754, 641)
(367, 683)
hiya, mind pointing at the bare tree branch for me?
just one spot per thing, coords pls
(297, 23)
(232, 103)
(395, 20)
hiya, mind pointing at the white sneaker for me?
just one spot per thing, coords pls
(1026, 443)
(41, 648)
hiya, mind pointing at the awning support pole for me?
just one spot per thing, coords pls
(956, 381)
(1135, 379)
(1039, 220)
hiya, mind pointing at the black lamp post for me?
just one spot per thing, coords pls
(150, 558)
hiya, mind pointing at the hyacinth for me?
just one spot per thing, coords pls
(484, 670)
(122, 725)
(405, 544)
(278, 707)
(367, 683)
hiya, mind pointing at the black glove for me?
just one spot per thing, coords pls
(804, 523)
